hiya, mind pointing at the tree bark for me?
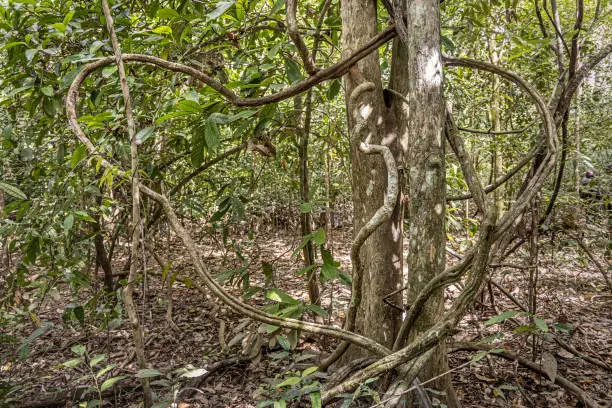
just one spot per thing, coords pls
(381, 254)
(417, 73)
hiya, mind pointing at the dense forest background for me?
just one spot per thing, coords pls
(318, 203)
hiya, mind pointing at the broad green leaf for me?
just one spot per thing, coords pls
(79, 313)
(12, 191)
(167, 13)
(317, 310)
(306, 269)
(68, 17)
(212, 135)
(164, 30)
(78, 155)
(278, 296)
(328, 272)
(110, 382)
(78, 349)
(540, 324)
(221, 8)
(72, 363)
(333, 90)
(95, 46)
(68, 222)
(148, 373)
(109, 71)
(315, 399)
(47, 90)
(105, 370)
(319, 236)
(29, 54)
(278, 5)
(289, 382)
(292, 70)
(309, 371)
(501, 317)
(306, 207)
(144, 134)
(95, 360)
(284, 343)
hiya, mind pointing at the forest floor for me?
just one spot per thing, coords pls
(206, 334)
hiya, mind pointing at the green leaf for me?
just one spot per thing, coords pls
(309, 371)
(284, 343)
(328, 272)
(68, 17)
(306, 269)
(68, 222)
(501, 317)
(221, 8)
(319, 236)
(96, 359)
(540, 324)
(105, 370)
(317, 310)
(333, 90)
(315, 399)
(78, 155)
(79, 313)
(212, 135)
(190, 106)
(30, 54)
(148, 373)
(12, 191)
(47, 90)
(289, 382)
(95, 46)
(78, 349)
(59, 27)
(110, 382)
(306, 207)
(72, 363)
(167, 13)
(164, 30)
(24, 348)
(292, 69)
(345, 278)
(278, 296)
(479, 356)
(280, 404)
(277, 6)
(109, 71)
(144, 134)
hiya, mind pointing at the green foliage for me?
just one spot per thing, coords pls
(291, 388)
(95, 373)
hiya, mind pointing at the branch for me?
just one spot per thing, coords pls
(139, 343)
(497, 183)
(294, 34)
(332, 72)
(467, 166)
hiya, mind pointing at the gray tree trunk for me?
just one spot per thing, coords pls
(382, 252)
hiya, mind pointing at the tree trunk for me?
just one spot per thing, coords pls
(382, 252)
(417, 73)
